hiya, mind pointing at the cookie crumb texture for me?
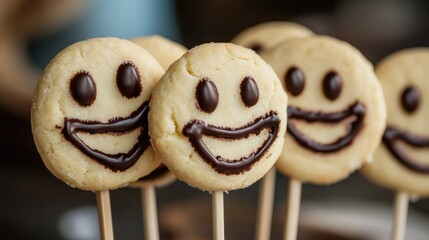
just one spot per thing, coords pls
(89, 111)
(218, 117)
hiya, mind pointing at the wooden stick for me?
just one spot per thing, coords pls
(218, 219)
(400, 216)
(104, 215)
(292, 209)
(150, 216)
(265, 206)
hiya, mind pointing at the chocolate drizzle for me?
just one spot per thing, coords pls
(119, 161)
(195, 130)
(160, 171)
(257, 47)
(392, 134)
(356, 109)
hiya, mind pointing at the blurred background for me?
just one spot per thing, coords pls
(36, 205)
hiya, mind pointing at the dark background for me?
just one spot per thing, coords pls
(33, 201)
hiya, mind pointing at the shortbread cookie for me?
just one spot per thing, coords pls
(266, 35)
(402, 160)
(336, 112)
(89, 117)
(162, 49)
(218, 117)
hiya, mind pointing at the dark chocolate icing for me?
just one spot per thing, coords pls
(410, 99)
(249, 91)
(356, 109)
(257, 47)
(83, 89)
(295, 81)
(392, 134)
(195, 130)
(160, 171)
(119, 161)
(128, 80)
(207, 95)
(332, 85)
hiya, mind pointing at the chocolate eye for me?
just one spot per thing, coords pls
(128, 80)
(82, 89)
(207, 95)
(295, 81)
(410, 99)
(332, 85)
(249, 91)
(256, 47)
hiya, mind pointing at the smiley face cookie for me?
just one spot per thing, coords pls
(266, 35)
(162, 49)
(89, 116)
(401, 162)
(218, 117)
(336, 112)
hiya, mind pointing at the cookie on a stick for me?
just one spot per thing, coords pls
(90, 117)
(336, 113)
(259, 38)
(218, 120)
(401, 162)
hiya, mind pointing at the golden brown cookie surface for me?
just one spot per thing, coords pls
(218, 117)
(336, 111)
(401, 162)
(89, 117)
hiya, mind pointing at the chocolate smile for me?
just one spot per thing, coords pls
(195, 129)
(119, 161)
(356, 109)
(392, 135)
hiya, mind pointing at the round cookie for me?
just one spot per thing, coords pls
(162, 49)
(218, 117)
(336, 111)
(401, 162)
(89, 116)
(268, 34)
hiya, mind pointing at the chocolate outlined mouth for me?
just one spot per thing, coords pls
(119, 161)
(357, 109)
(392, 135)
(195, 129)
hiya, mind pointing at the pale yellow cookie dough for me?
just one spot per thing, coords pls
(268, 34)
(328, 160)
(163, 50)
(406, 69)
(179, 101)
(55, 102)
